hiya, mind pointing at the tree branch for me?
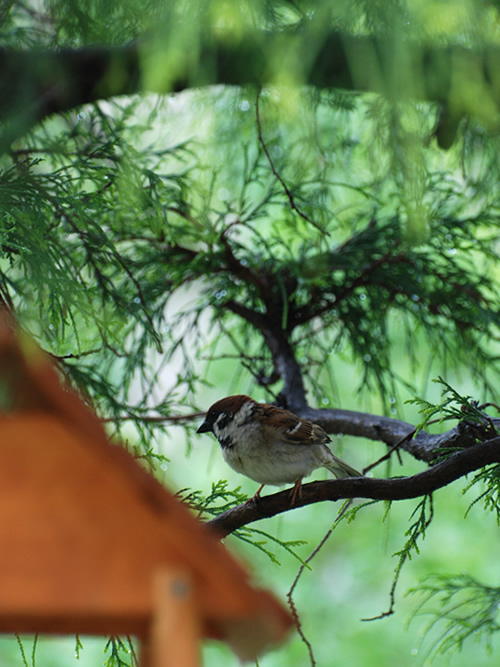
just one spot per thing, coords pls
(422, 446)
(293, 394)
(397, 488)
(283, 356)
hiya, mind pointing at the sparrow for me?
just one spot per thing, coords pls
(269, 444)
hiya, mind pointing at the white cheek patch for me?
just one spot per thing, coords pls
(243, 414)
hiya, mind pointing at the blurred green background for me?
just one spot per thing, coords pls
(351, 157)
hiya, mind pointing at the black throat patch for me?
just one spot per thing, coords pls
(226, 442)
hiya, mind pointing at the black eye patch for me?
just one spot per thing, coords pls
(224, 419)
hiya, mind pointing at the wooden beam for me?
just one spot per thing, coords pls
(176, 627)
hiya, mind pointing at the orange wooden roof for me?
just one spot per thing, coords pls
(84, 527)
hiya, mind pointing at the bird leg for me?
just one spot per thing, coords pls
(256, 495)
(296, 491)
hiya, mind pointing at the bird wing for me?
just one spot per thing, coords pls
(291, 428)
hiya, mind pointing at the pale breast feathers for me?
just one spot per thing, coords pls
(293, 429)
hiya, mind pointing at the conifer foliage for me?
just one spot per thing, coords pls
(283, 189)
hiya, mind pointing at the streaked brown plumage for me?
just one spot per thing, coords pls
(269, 444)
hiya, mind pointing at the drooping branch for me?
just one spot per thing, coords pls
(398, 488)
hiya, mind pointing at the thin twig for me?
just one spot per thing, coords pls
(285, 187)
(156, 419)
(489, 405)
(289, 595)
(397, 573)
(388, 455)
(396, 446)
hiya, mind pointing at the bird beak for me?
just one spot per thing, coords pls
(206, 427)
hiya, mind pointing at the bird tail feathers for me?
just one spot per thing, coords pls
(340, 468)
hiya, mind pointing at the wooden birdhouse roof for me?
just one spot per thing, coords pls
(84, 528)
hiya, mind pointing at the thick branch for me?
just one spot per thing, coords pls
(284, 361)
(398, 488)
(391, 431)
(287, 367)
(251, 316)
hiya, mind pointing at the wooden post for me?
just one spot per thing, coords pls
(176, 630)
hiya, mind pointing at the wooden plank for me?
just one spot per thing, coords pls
(176, 628)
